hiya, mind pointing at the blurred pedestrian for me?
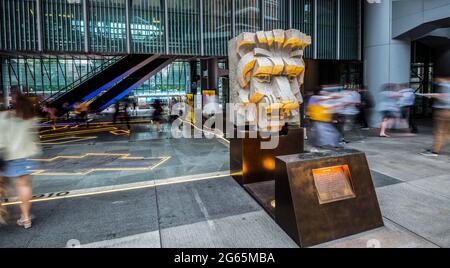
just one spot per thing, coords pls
(349, 99)
(389, 108)
(157, 114)
(441, 117)
(126, 116)
(174, 110)
(19, 143)
(365, 107)
(406, 102)
(82, 110)
(51, 113)
(320, 113)
(66, 110)
(135, 107)
(116, 112)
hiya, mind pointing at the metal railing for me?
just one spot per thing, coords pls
(83, 78)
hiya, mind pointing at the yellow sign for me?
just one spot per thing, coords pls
(209, 92)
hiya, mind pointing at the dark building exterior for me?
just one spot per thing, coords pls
(47, 45)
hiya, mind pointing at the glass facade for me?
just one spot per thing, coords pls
(276, 14)
(247, 16)
(107, 26)
(147, 26)
(178, 27)
(326, 29)
(78, 28)
(18, 25)
(48, 75)
(171, 81)
(184, 27)
(349, 29)
(303, 19)
(64, 25)
(217, 26)
(45, 76)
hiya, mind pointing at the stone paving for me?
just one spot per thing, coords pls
(413, 191)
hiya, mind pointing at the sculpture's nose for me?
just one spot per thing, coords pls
(282, 88)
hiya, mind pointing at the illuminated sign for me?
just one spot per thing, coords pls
(333, 184)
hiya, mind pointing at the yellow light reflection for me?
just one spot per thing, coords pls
(44, 172)
(156, 184)
(65, 140)
(269, 163)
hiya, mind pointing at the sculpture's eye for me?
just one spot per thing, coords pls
(292, 78)
(263, 78)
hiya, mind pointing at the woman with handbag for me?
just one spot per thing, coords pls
(19, 145)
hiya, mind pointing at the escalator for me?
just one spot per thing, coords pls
(103, 80)
(133, 81)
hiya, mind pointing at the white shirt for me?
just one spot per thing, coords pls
(408, 98)
(350, 99)
(16, 138)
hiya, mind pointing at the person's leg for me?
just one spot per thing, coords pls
(412, 121)
(25, 193)
(384, 126)
(3, 212)
(2, 187)
(446, 127)
(115, 118)
(404, 119)
(362, 118)
(438, 132)
(340, 127)
(158, 126)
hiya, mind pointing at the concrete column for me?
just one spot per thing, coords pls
(6, 92)
(39, 25)
(315, 30)
(166, 25)
(194, 73)
(338, 31)
(213, 74)
(204, 74)
(385, 60)
(202, 30)
(86, 26)
(233, 19)
(128, 25)
(291, 15)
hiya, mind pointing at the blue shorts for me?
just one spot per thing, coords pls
(17, 168)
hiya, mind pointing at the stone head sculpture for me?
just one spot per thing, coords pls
(266, 74)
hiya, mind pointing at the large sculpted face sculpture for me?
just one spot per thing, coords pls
(266, 73)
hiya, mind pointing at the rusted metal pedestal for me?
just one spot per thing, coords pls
(325, 196)
(249, 163)
(254, 168)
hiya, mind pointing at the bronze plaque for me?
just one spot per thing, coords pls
(333, 184)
